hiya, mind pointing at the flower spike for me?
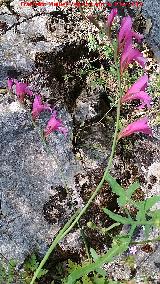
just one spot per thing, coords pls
(140, 125)
(38, 107)
(55, 124)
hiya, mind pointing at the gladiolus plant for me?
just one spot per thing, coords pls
(125, 53)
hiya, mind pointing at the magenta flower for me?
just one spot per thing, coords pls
(55, 124)
(139, 85)
(22, 90)
(137, 92)
(38, 107)
(10, 83)
(142, 96)
(129, 55)
(140, 125)
(126, 33)
(111, 17)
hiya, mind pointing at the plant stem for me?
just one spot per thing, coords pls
(63, 232)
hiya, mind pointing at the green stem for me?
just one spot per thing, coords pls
(53, 245)
(105, 230)
(63, 232)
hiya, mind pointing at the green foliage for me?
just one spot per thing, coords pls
(130, 78)
(7, 272)
(113, 71)
(124, 195)
(130, 261)
(32, 264)
(144, 215)
(119, 245)
(107, 50)
(92, 42)
(9, 275)
(154, 87)
(93, 75)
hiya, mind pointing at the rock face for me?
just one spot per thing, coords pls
(30, 179)
(37, 184)
(151, 11)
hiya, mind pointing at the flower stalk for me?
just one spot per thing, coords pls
(129, 54)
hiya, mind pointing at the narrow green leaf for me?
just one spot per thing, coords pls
(141, 214)
(116, 188)
(132, 188)
(149, 202)
(93, 253)
(108, 257)
(101, 272)
(155, 215)
(117, 217)
(99, 280)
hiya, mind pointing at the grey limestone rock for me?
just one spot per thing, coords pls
(151, 11)
(30, 177)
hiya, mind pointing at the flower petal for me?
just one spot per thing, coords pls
(22, 90)
(140, 125)
(125, 29)
(38, 107)
(139, 85)
(137, 36)
(127, 33)
(142, 96)
(55, 124)
(129, 55)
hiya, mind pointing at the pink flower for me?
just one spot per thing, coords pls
(22, 90)
(10, 83)
(111, 17)
(136, 92)
(140, 125)
(55, 124)
(126, 33)
(139, 85)
(38, 107)
(142, 96)
(129, 55)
